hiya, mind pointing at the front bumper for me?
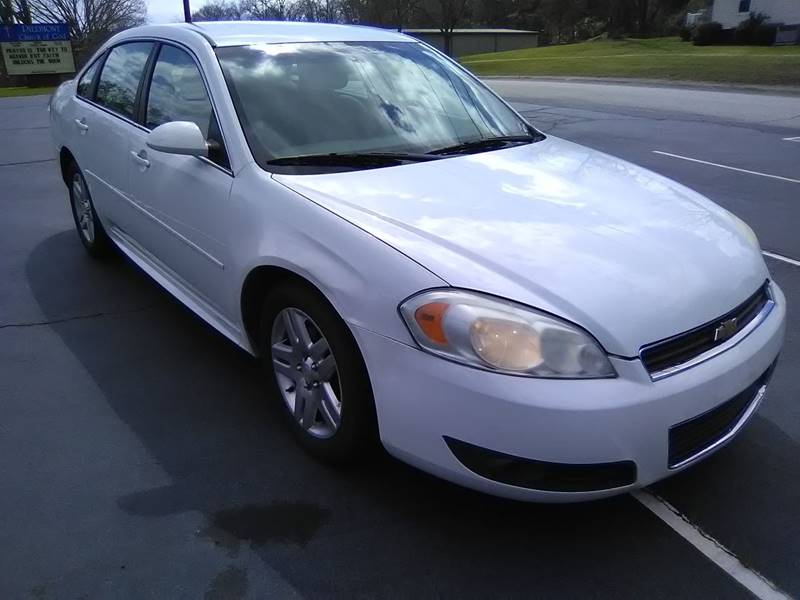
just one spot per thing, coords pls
(422, 400)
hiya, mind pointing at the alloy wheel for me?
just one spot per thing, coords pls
(306, 373)
(83, 208)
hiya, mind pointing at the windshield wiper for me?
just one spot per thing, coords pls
(355, 159)
(492, 143)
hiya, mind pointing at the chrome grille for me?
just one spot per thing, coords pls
(667, 356)
(690, 439)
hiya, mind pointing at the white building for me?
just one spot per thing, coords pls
(732, 12)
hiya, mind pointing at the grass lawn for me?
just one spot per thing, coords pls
(9, 92)
(656, 58)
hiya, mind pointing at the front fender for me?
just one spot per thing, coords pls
(362, 277)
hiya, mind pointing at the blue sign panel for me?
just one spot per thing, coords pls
(38, 32)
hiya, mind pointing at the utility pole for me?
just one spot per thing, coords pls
(187, 12)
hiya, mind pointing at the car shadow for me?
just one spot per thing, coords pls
(197, 404)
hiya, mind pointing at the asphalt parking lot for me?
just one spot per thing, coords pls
(138, 458)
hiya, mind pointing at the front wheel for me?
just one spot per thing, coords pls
(90, 230)
(315, 367)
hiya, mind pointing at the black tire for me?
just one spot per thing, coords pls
(357, 435)
(97, 244)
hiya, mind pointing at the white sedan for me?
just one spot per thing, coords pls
(414, 263)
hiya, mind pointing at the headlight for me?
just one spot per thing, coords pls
(500, 335)
(749, 234)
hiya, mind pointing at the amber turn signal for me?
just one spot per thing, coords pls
(430, 318)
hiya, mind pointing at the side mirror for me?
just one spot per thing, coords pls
(178, 137)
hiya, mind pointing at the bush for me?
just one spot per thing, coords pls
(686, 33)
(756, 30)
(765, 34)
(706, 34)
(668, 25)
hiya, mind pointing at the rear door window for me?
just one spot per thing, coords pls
(119, 80)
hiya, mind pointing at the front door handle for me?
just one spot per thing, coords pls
(140, 158)
(81, 124)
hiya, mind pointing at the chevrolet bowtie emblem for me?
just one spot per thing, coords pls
(725, 330)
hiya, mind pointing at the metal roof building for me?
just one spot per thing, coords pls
(478, 41)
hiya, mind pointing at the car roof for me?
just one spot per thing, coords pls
(241, 33)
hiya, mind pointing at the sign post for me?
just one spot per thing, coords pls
(41, 48)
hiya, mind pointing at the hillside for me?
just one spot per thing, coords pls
(657, 58)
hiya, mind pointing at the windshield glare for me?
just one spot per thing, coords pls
(319, 98)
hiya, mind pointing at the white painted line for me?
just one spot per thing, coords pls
(785, 259)
(756, 583)
(793, 139)
(705, 162)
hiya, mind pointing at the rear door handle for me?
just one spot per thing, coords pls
(81, 124)
(140, 158)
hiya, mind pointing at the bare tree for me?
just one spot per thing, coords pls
(560, 19)
(269, 10)
(495, 13)
(332, 11)
(447, 14)
(6, 12)
(322, 11)
(89, 21)
(23, 12)
(221, 11)
(392, 13)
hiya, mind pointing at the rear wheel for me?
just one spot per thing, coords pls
(90, 230)
(315, 368)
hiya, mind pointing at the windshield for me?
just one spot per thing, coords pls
(307, 99)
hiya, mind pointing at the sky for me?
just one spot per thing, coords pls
(168, 11)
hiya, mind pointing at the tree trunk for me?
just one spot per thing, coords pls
(6, 12)
(644, 17)
(448, 42)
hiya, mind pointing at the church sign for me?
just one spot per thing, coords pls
(36, 49)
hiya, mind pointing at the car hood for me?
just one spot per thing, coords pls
(629, 255)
